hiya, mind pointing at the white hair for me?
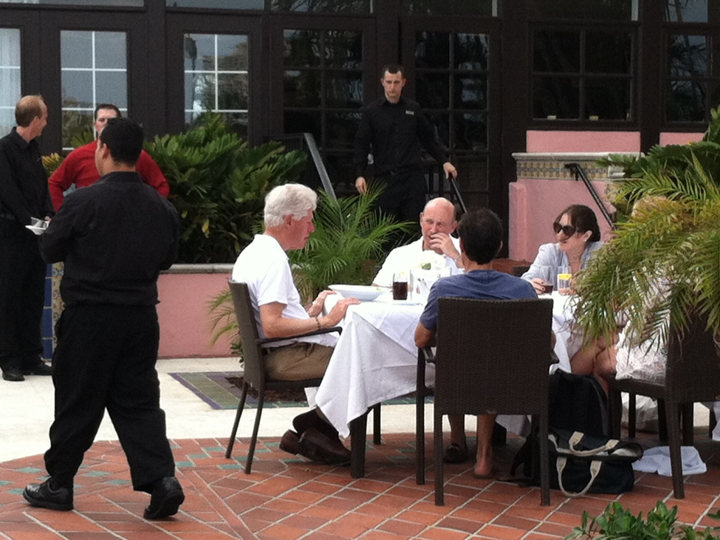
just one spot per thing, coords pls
(295, 200)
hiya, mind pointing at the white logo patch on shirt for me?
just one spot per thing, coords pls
(410, 112)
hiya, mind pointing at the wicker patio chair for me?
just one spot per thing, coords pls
(692, 374)
(492, 357)
(254, 365)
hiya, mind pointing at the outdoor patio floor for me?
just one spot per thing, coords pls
(289, 498)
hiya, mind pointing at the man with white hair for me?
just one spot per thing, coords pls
(437, 222)
(264, 267)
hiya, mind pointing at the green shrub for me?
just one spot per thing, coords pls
(618, 523)
(218, 185)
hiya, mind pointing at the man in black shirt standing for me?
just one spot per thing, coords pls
(23, 195)
(392, 129)
(114, 236)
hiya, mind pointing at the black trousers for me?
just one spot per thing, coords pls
(22, 296)
(105, 359)
(403, 196)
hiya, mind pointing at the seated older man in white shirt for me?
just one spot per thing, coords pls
(437, 222)
(264, 267)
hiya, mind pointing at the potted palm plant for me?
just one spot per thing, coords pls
(674, 241)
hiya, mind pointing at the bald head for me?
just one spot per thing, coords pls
(438, 217)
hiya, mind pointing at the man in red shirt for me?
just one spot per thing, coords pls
(79, 166)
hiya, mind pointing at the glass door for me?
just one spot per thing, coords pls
(452, 70)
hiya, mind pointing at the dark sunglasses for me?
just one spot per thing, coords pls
(567, 230)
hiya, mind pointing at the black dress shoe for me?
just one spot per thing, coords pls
(13, 374)
(329, 451)
(43, 496)
(166, 498)
(41, 368)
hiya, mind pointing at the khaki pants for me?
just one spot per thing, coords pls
(298, 361)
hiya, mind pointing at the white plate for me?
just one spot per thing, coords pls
(364, 293)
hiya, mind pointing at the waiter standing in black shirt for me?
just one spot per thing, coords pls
(114, 236)
(23, 195)
(392, 129)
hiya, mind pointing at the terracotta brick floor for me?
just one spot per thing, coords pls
(289, 498)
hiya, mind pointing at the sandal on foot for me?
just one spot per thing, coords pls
(456, 454)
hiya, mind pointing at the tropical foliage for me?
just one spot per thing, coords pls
(218, 185)
(618, 523)
(663, 264)
(349, 239)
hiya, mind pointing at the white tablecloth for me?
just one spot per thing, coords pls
(375, 359)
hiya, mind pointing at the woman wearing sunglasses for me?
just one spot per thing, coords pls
(578, 237)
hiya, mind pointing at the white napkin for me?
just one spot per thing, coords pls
(657, 460)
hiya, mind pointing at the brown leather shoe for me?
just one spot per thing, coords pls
(327, 450)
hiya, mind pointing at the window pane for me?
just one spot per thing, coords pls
(607, 99)
(302, 48)
(77, 89)
(9, 76)
(199, 92)
(76, 49)
(304, 121)
(585, 9)
(75, 123)
(608, 52)
(433, 90)
(475, 193)
(302, 89)
(485, 8)
(345, 7)
(112, 86)
(470, 132)
(441, 126)
(110, 50)
(686, 101)
(556, 97)
(343, 90)
(217, 4)
(343, 49)
(687, 55)
(470, 92)
(686, 10)
(341, 129)
(556, 52)
(432, 50)
(217, 78)
(472, 51)
(232, 91)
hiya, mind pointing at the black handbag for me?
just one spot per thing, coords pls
(582, 463)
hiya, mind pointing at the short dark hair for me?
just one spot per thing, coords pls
(125, 140)
(583, 219)
(392, 69)
(481, 233)
(29, 108)
(107, 106)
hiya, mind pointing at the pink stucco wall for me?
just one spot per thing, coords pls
(582, 141)
(679, 138)
(184, 318)
(534, 204)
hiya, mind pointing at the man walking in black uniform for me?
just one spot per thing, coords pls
(114, 236)
(392, 129)
(23, 195)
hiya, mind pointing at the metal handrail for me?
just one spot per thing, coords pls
(580, 174)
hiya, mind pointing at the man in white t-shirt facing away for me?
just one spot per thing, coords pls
(264, 267)
(437, 222)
